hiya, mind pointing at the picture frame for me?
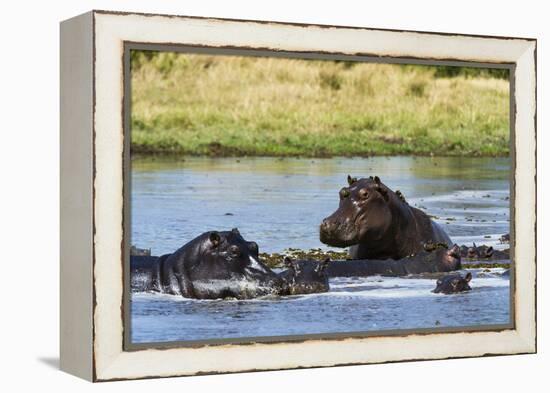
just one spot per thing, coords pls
(94, 179)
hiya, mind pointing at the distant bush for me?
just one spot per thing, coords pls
(330, 80)
(417, 88)
(140, 57)
(166, 61)
(470, 72)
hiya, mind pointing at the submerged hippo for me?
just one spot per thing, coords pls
(437, 260)
(378, 223)
(211, 266)
(453, 283)
(483, 252)
(304, 277)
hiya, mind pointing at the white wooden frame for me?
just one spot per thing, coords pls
(92, 202)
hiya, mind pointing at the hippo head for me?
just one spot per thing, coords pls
(306, 276)
(229, 267)
(452, 258)
(472, 252)
(363, 215)
(453, 283)
(480, 252)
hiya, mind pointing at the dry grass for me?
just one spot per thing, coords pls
(197, 104)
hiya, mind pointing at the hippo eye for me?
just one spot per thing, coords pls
(235, 251)
(344, 193)
(363, 193)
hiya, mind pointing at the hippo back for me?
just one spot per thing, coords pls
(143, 270)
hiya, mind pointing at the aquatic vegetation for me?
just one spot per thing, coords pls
(315, 254)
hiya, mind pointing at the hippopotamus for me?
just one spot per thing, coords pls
(305, 277)
(437, 260)
(213, 265)
(377, 223)
(453, 283)
(141, 252)
(483, 252)
(505, 238)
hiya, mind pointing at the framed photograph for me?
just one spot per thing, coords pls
(245, 195)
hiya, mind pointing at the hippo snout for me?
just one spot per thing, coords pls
(336, 232)
(326, 225)
(327, 228)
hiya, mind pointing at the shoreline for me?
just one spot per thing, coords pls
(181, 156)
(275, 260)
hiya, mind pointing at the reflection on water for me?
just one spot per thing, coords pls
(279, 203)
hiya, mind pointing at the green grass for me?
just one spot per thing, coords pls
(186, 104)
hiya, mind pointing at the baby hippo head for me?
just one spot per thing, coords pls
(453, 283)
(231, 263)
(305, 277)
(227, 251)
(480, 252)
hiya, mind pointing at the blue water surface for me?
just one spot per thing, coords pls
(279, 203)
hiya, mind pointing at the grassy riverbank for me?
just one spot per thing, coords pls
(212, 105)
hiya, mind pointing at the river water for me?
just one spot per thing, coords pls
(279, 204)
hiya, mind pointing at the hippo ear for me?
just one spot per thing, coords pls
(382, 191)
(377, 180)
(351, 180)
(468, 277)
(287, 261)
(294, 266)
(322, 266)
(215, 239)
(454, 251)
(235, 231)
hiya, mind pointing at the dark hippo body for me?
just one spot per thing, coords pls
(436, 261)
(144, 273)
(301, 277)
(211, 266)
(378, 223)
(304, 277)
(484, 252)
(453, 283)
